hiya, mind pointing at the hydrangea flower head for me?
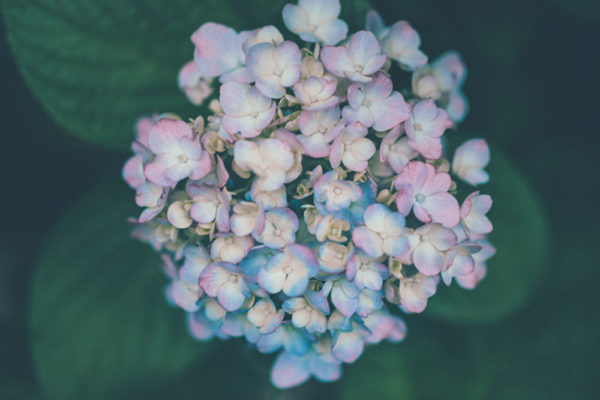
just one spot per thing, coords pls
(425, 190)
(247, 110)
(315, 203)
(273, 68)
(316, 21)
(178, 154)
(469, 160)
(357, 61)
(375, 104)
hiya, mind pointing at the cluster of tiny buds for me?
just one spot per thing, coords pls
(315, 203)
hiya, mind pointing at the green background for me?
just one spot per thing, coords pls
(81, 308)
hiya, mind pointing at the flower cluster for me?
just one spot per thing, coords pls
(315, 202)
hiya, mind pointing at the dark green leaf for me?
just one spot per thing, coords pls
(521, 238)
(99, 319)
(354, 12)
(235, 370)
(581, 8)
(17, 389)
(98, 66)
(433, 362)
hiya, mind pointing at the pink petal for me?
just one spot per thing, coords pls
(421, 212)
(380, 88)
(233, 97)
(244, 153)
(335, 152)
(404, 200)
(429, 147)
(390, 112)
(413, 58)
(321, 10)
(164, 136)
(414, 174)
(133, 172)
(289, 370)
(363, 45)
(332, 32)
(348, 347)
(367, 241)
(156, 171)
(217, 49)
(441, 238)
(436, 182)
(337, 60)
(481, 204)
(443, 208)
(427, 259)
(178, 217)
(212, 278)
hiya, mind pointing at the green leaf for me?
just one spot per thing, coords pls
(100, 323)
(17, 389)
(354, 12)
(234, 370)
(580, 8)
(98, 66)
(433, 362)
(521, 239)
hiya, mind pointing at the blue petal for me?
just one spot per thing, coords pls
(233, 325)
(271, 342)
(289, 370)
(290, 305)
(345, 304)
(254, 261)
(318, 301)
(295, 341)
(231, 295)
(273, 323)
(348, 347)
(324, 369)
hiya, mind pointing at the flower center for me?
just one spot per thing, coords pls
(277, 232)
(233, 278)
(339, 256)
(420, 197)
(287, 270)
(229, 240)
(358, 68)
(337, 190)
(418, 126)
(383, 235)
(182, 158)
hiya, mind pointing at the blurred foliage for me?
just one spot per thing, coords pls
(425, 366)
(532, 89)
(96, 80)
(91, 331)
